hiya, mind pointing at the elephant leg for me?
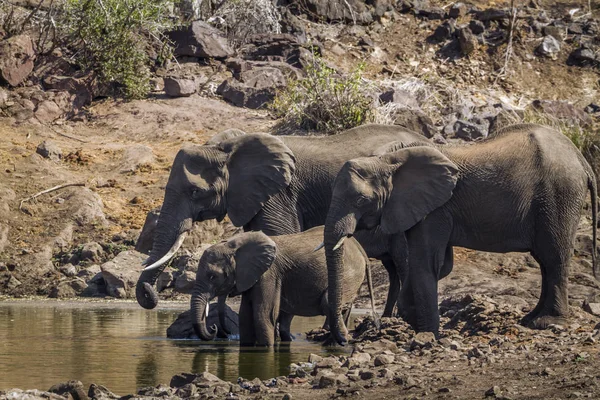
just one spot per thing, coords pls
(428, 241)
(552, 250)
(393, 289)
(265, 311)
(531, 315)
(406, 305)
(246, 321)
(553, 305)
(285, 326)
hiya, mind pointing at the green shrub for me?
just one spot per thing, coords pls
(111, 38)
(324, 101)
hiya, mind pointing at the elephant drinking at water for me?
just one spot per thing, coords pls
(521, 190)
(279, 274)
(278, 185)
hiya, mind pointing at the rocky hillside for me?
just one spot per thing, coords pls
(451, 71)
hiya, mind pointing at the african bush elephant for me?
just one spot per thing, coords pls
(521, 190)
(278, 185)
(273, 274)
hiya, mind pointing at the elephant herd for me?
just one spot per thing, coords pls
(374, 191)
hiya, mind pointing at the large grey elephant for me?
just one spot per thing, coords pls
(521, 190)
(278, 185)
(273, 274)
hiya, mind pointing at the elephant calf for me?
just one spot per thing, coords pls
(279, 274)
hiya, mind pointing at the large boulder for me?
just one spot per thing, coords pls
(16, 59)
(122, 273)
(200, 40)
(564, 111)
(82, 86)
(182, 327)
(255, 89)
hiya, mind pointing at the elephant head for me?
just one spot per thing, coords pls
(234, 177)
(229, 267)
(393, 192)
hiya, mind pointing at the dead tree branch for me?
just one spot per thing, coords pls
(52, 189)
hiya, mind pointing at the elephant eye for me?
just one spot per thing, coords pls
(362, 200)
(211, 277)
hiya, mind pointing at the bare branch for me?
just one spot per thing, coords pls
(52, 189)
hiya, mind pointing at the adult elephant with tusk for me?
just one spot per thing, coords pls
(275, 184)
(521, 190)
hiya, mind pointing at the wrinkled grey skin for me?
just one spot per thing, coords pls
(521, 190)
(278, 185)
(279, 274)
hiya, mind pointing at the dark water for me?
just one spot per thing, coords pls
(123, 347)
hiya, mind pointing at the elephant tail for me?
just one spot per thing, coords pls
(592, 186)
(372, 295)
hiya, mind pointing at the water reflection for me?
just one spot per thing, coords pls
(123, 347)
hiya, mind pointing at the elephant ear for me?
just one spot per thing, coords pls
(423, 180)
(224, 135)
(254, 255)
(259, 166)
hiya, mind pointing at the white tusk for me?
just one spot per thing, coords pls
(169, 254)
(319, 247)
(207, 309)
(339, 243)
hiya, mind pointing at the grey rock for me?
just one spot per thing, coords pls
(583, 57)
(72, 388)
(62, 290)
(458, 10)
(179, 87)
(556, 32)
(431, 13)
(255, 89)
(467, 40)
(68, 270)
(165, 280)
(400, 97)
(366, 375)
(592, 308)
(575, 28)
(383, 359)
(470, 131)
(200, 40)
(445, 31)
(82, 86)
(91, 251)
(351, 11)
(136, 156)
(314, 358)
(16, 59)
(414, 120)
(90, 272)
(99, 392)
(549, 47)
(86, 206)
(362, 358)
(185, 282)
(477, 27)
(121, 273)
(563, 110)
(422, 339)
(49, 149)
(492, 14)
(13, 282)
(48, 111)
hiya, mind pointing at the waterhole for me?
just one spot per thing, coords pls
(124, 347)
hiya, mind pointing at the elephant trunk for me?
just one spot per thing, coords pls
(336, 230)
(199, 311)
(170, 232)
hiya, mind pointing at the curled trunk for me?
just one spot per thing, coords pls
(168, 232)
(199, 311)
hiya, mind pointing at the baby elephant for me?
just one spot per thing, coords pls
(279, 274)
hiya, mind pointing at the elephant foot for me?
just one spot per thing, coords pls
(286, 337)
(545, 321)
